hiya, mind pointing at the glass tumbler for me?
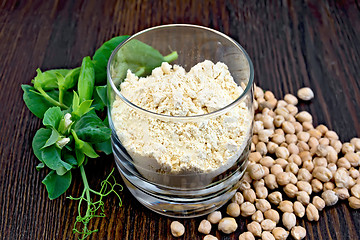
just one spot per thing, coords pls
(189, 192)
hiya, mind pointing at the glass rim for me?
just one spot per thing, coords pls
(187, 118)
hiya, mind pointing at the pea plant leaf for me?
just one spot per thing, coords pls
(56, 184)
(140, 58)
(91, 128)
(36, 103)
(39, 140)
(52, 159)
(52, 117)
(48, 80)
(102, 55)
(54, 137)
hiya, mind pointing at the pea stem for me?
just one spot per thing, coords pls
(51, 100)
(87, 192)
(171, 57)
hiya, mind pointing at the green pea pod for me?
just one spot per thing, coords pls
(86, 80)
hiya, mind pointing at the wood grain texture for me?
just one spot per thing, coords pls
(292, 44)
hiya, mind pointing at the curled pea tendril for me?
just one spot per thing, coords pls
(107, 186)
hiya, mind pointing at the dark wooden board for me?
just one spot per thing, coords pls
(292, 44)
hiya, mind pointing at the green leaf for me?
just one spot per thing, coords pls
(70, 159)
(40, 166)
(48, 80)
(52, 117)
(57, 185)
(54, 137)
(91, 128)
(80, 156)
(86, 80)
(102, 55)
(101, 92)
(104, 147)
(36, 103)
(140, 58)
(89, 151)
(71, 78)
(39, 140)
(83, 146)
(52, 159)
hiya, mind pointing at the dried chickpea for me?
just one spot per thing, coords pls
(255, 228)
(299, 209)
(249, 195)
(280, 233)
(290, 138)
(261, 148)
(329, 197)
(298, 232)
(293, 149)
(293, 110)
(319, 203)
(268, 225)
(316, 185)
(302, 146)
(305, 94)
(299, 129)
(292, 167)
(281, 103)
(282, 152)
(328, 186)
(324, 141)
(332, 135)
(343, 163)
(237, 198)
(204, 227)
(305, 156)
(288, 127)
(304, 116)
(275, 197)
(211, 237)
(354, 202)
(289, 220)
(261, 192)
(341, 178)
(233, 210)
(177, 229)
(282, 162)
(353, 158)
(320, 162)
(332, 167)
(227, 225)
(255, 157)
(304, 175)
(263, 205)
(303, 197)
(294, 158)
(312, 213)
(314, 133)
(272, 214)
(291, 99)
(270, 181)
(290, 190)
(355, 190)
(256, 171)
(267, 161)
(214, 217)
(286, 206)
(336, 144)
(322, 173)
(308, 165)
(307, 126)
(247, 209)
(354, 173)
(304, 186)
(342, 193)
(257, 216)
(356, 143)
(278, 120)
(276, 169)
(313, 142)
(283, 178)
